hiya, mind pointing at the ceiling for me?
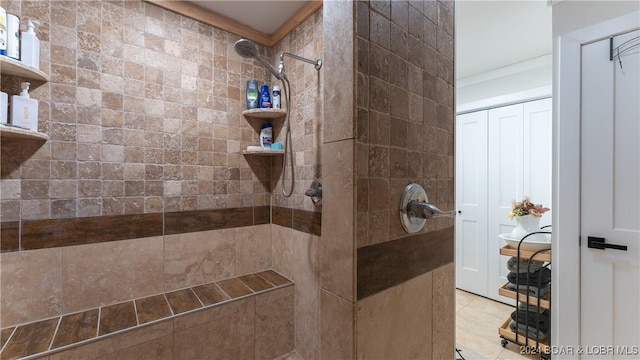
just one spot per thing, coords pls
(489, 34)
(263, 15)
(494, 34)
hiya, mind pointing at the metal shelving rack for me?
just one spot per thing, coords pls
(534, 345)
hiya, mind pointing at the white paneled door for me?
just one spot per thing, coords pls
(506, 183)
(538, 149)
(471, 198)
(610, 201)
(502, 154)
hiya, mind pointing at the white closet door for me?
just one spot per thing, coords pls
(537, 154)
(471, 200)
(506, 183)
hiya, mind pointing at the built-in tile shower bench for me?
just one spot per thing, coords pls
(249, 316)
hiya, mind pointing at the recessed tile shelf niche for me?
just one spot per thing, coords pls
(10, 67)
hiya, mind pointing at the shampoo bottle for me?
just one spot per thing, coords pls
(266, 136)
(3, 31)
(275, 100)
(24, 109)
(30, 46)
(13, 37)
(252, 94)
(265, 98)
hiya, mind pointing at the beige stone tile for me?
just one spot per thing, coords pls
(226, 337)
(10, 189)
(141, 335)
(105, 273)
(443, 311)
(397, 323)
(339, 213)
(160, 349)
(338, 64)
(274, 334)
(337, 327)
(198, 257)
(102, 347)
(31, 285)
(139, 341)
(253, 249)
(295, 255)
(208, 315)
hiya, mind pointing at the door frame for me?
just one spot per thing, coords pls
(566, 173)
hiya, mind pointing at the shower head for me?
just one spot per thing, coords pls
(248, 49)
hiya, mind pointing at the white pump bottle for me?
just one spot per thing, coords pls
(30, 46)
(24, 109)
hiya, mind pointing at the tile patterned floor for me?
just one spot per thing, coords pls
(477, 322)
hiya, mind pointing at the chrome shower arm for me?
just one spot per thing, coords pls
(269, 67)
(317, 63)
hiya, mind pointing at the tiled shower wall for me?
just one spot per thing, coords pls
(143, 112)
(307, 103)
(388, 294)
(404, 112)
(405, 134)
(295, 253)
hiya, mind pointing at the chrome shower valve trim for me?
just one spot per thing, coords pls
(415, 209)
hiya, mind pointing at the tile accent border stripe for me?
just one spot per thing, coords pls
(41, 234)
(50, 233)
(10, 236)
(309, 222)
(203, 220)
(382, 266)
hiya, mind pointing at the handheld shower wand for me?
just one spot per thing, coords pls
(248, 49)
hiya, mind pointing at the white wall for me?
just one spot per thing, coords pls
(571, 15)
(531, 74)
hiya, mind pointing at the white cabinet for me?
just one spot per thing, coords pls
(502, 154)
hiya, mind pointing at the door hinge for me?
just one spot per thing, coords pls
(579, 240)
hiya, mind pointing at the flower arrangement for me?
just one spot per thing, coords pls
(526, 207)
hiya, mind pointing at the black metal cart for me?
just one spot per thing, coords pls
(524, 328)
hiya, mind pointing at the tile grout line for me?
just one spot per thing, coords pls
(55, 332)
(98, 322)
(166, 300)
(135, 311)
